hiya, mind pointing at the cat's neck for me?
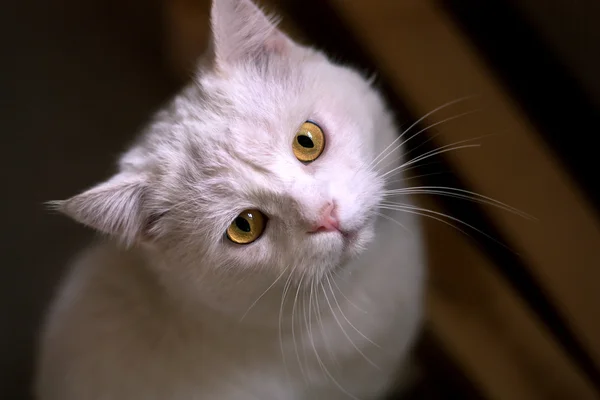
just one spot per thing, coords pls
(252, 298)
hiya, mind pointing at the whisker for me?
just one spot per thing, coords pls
(344, 316)
(411, 177)
(421, 165)
(446, 147)
(424, 211)
(346, 298)
(460, 194)
(430, 138)
(320, 320)
(286, 288)
(423, 215)
(423, 130)
(437, 151)
(432, 153)
(448, 104)
(393, 220)
(294, 331)
(343, 330)
(310, 331)
(324, 368)
(264, 293)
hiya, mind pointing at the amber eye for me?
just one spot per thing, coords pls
(247, 227)
(309, 142)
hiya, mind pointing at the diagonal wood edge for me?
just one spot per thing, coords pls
(488, 329)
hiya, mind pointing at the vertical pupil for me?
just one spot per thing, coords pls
(305, 141)
(242, 224)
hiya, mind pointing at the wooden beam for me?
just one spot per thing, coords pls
(488, 330)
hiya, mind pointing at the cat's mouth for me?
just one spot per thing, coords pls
(335, 230)
(348, 237)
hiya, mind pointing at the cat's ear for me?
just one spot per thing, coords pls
(114, 207)
(242, 32)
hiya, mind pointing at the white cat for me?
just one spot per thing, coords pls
(247, 256)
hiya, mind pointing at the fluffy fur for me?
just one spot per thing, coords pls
(167, 308)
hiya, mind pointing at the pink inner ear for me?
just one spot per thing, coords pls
(241, 31)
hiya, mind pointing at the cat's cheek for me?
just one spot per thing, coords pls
(148, 245)
(251, 256)
(154, 231)
(150, 238)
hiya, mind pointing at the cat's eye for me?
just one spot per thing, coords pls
(309, 142)
(247, 227)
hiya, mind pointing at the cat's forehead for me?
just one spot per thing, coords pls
(246, 86)
(286, 92)
(249, 116)
(237, 130)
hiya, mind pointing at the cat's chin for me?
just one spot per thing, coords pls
(354, 243)
(357, 241)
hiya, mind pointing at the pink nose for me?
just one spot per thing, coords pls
(328, 221)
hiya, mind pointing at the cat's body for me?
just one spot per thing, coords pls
(114, 336)
(308, 309)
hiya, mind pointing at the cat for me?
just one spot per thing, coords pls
(245, 253)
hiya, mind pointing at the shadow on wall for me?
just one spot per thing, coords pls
(77, 80)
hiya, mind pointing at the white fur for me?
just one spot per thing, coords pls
(168, 308)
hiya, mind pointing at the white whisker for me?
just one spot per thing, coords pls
(402, 144)
(286, 288)
(310, 332)
(344, 331)
(344, 316)
(320, 320)
(457, 193)
(424, 211)
(346, 298)
(393, 220)
(324, 368)
(294, 331)
(448, 104)
(432, 153)
(263, 293)
(411, 177)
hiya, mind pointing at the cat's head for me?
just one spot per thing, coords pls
(263, 163)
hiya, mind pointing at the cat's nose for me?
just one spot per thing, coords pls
(328, 221)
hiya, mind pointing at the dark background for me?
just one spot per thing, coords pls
(77, 79)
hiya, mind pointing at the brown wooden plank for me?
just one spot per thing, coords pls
(430, 63)
(489, 331)
(570, 28)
